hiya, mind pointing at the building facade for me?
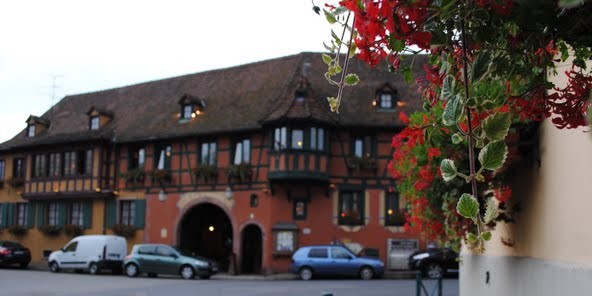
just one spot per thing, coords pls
(242, 165)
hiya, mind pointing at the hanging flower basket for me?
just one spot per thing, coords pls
(240, 172)
(50, 230)
(206, 172)
(127, 231)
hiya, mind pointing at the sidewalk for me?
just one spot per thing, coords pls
(399, 274)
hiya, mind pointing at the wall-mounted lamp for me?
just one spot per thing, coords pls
(228, 192)
(98, 189)
(162, 196)
(401, 104)
(332, 186)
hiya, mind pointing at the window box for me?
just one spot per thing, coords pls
(161, 176)
(134, 176)
(206, 172)
(16, 182)
(73, 230)
(240, 172)
(50, 230)
(397, 218)
(361, 163)
(350, 219)
(18, 230)
(127, 231)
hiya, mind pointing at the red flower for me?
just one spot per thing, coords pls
(433, 152)
(404, 118)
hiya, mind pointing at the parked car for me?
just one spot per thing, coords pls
(14, 253)
(154, 259)
(334, 260)
(90, 252)
(434, 262)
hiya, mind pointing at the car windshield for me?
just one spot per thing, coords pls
(186, 253)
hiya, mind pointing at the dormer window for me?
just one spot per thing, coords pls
(31, 130)
(187, 111)
(386, 101)
(191, 107)
(94, 123)
(386, 98)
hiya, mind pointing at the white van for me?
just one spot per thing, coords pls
(90, 252)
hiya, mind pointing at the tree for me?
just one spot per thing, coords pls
(490, 64)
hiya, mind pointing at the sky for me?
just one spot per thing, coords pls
(51, 49)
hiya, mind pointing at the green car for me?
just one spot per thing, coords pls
(154, 259)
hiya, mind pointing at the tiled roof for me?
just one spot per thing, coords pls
(238, 98)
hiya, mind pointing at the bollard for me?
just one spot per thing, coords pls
(418, 283)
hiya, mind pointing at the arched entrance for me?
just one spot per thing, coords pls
(205, 230)
(251, 249)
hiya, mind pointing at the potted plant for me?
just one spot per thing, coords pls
(50, 230)
(206, 172)
(134, 176)
(73, 230)
(127, 231)
(241, 172)
(18, 230)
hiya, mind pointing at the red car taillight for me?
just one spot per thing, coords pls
(4, 251)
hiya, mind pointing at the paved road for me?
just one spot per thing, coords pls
(15, 282)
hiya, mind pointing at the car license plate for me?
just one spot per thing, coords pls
(18, 252)
(214, 269)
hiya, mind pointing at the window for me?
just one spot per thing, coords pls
(69, 163)
(137, 158)
(55, 164)
(75, 212)
(363, 146)
(2, 222)
(71, 247)
(163, 154)
(297, 139)
(386, 101)
(317, 139)
(84, 164)
(254, 201)
(17, 168)
(284, 241)
(2, 166)
(164, 251)
(94, 123)
(21, 214)
(242, 152)
(393, 216)
(127, 212)
(318, 253)
(351, 208)
(31, 130)
(299, 210)
(280, 138)
(147, 250)
(339, 253)
(52, 214)
(39, 166)
(208, 153)
(187, 110)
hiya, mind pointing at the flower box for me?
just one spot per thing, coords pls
(127, 231)
(206, 172)
(240, 172)
(50, 230)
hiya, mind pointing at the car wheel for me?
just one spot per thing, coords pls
(434, 271)
(366, 273)
(305, 273)
(54, 267)
(132, 270)
(187, 272)
(152, 274)
(93, 268)
(204, 277)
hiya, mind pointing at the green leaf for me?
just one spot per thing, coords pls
(496, 126)
(330, 17)
(491, 211)
(407, 74)
(316, 9)
(480, 66)
(493, 155)
(396, 44)
(452, 111)
(471, 237)
(448, 87)
(333, 104)
(351, 79)
(486, 235)
(468, 206)
(457, 138)
(447, 169)
(339, 10)
(327, 59)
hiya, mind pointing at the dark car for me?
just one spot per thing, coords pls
(14, 253)
(434, 262)
(154, 259)
(334, 260)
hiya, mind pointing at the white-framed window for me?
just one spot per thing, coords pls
(21, 214)
(208, 153)
(242, 152)
(94, 123)
(164, 154)
(285, 241)
(76, 216)
(386, 101)
(127, 212)
(31, 130)
(280, 138)
(52, 214)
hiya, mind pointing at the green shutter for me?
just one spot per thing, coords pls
(111, 207)
(62, 212)
(4, 214)
(140, 214)
(30, 215)
(9, 214)
(40, 214)
(87, 214)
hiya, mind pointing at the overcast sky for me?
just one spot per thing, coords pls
(86, 46)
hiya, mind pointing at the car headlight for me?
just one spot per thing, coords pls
(201, 263)
(420, 256)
